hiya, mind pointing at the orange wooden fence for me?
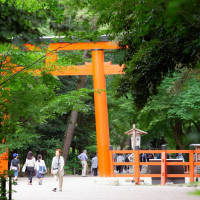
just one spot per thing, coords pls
(191, 164)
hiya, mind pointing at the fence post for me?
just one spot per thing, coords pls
(191, 161)
(3, 188)
(163, 166)
(111, 164)
(137, 165)
(10, 186)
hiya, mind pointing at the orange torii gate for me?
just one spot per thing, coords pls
(98, 68)
(3, 161)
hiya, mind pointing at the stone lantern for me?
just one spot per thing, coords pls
(135, 136)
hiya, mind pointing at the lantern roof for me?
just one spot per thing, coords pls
(137, 131)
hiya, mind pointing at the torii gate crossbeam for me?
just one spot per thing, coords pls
(98, 69)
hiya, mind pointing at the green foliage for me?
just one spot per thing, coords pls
(177, 99)
(73, 164)
(122, 115)
(74, 100)
(160, 36)
(196, 192)
(23, 19)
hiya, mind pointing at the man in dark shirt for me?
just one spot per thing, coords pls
(15, 165)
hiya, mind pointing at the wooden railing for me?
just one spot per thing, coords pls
(189, 165)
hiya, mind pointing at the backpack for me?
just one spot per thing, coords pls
(13, 168)
(42, 169)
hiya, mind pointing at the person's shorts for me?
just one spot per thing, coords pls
(15, 173)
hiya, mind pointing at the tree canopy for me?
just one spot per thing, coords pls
(159, 90)
(160, 35)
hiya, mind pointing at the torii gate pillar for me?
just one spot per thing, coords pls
(101, 113)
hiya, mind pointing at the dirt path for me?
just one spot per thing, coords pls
(84, 188)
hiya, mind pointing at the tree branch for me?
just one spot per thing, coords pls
(32, 64)
(196, 125)
(4, 57)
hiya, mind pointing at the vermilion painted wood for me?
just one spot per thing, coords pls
(150, 151)
(163, 164)
(137, 168)
(122, 151)
(111, 165)
(163, 168)
(4, 162)
(177, 175)
(191, 161)
(177, 151)
(75, 70)
(75, 46)
(85, 70)
(123, 163)
(101, 114)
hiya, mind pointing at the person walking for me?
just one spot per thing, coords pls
(57, 169)
(83, 157)
(126, 166)
(150, 156)
(120, 158)
(94, 165)
(40, 169)
(30, 165)
(15, 166)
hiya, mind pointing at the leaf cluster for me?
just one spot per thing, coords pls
(20, 21)
(177, 101)
(160, 36)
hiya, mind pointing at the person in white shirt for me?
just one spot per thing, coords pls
(120, 158)
(180, 156)
(30, 165)
(57, 170)
(40, 169)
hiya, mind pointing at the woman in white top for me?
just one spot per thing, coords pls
(40, 169)
(30, 165)
(57, 170)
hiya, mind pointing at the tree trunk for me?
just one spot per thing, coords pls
(196, 125)
(72, 121)
(177, 132)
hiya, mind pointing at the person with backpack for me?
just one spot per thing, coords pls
(40, 169)
(15, 166)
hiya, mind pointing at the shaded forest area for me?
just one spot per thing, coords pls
(160, 91)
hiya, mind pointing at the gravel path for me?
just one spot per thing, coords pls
(84, 188)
